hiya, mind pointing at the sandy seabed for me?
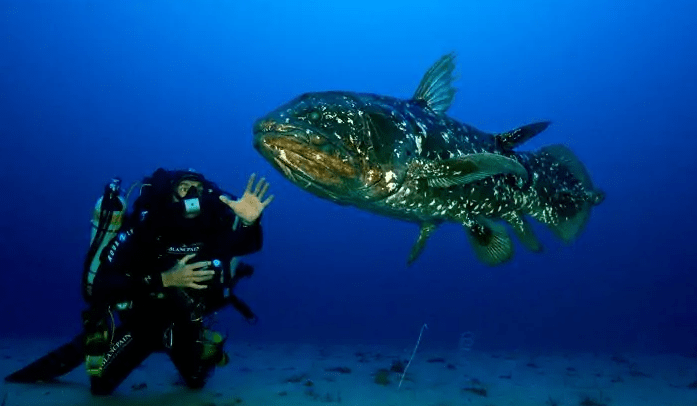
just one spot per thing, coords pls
(303, 375)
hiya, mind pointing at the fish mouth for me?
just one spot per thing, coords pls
(286, 162)
(303, 163)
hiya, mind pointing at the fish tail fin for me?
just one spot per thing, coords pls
(565, 190)
(490, 241)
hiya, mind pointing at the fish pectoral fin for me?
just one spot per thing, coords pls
(490, 241)
(436, 87)
(467, 169)
(511, 139)
(425, 232)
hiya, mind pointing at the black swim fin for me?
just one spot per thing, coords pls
(54, 364)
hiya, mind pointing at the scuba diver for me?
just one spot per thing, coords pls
(171, 264)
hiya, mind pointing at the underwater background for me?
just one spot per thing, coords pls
(91, 90)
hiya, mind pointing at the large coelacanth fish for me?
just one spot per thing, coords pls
(408, 160)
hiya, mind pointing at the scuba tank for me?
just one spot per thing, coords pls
(106, 221)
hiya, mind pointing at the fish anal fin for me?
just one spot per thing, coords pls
(436, 87)
(491, 243)
(523, 231)
(467, 169)
(425, 232)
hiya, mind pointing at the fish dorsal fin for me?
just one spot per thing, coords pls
(436, 87)
(466, 169)
(516, 137)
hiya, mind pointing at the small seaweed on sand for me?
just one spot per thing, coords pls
(341, 370)
(398, 366)
(382, 377)
(476, 387)
(476, 390)
(589, 401)
(552, 402)
(297, 378)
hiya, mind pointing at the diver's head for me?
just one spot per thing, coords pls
(187, 191)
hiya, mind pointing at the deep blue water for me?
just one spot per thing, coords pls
(91, 90)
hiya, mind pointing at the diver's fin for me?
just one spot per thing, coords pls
(424, 233)
(436, 87)
(466, 169)
(523, 230)
(52, 365)
(511, 139)
(490, 241)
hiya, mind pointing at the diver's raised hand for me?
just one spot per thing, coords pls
(185, 275)
(249, 207)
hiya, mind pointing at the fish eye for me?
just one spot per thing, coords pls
(314, 115)
(317, 139)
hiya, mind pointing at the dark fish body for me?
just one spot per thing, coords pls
(408, 160)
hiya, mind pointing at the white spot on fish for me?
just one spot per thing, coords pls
(422, 128)
(446, 136)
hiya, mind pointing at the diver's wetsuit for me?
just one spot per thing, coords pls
(161, 318)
